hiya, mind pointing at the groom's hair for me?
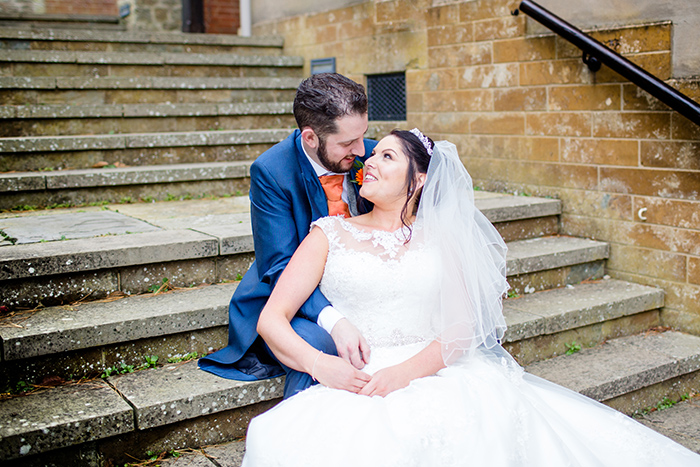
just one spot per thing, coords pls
(323, 98)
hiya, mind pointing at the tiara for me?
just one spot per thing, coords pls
(423, 139)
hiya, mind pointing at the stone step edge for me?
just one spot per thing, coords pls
(61, 329)
(143, 83)
(623, 365)
(36, 260)
(574, 306)
(136, 403)
(553, 252)
(141, 175)
(64, 111)
(149, 58)
(140, 37)
(24, 144)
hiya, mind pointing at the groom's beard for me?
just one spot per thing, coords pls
(330, 165)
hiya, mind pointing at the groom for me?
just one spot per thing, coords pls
(303, 178)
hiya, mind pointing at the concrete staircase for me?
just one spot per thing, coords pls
(94, 116)
(99, 290)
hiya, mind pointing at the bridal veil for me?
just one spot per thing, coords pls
(468, 313)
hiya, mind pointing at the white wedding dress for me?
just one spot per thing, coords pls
(482, 410)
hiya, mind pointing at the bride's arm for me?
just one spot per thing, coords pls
(299, 279)
(425, 363)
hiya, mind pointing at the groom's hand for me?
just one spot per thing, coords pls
(351, 346)
(334, 372)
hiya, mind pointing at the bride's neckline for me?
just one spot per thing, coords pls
(350, 226)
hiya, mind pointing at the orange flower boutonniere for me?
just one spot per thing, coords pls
(357, 173)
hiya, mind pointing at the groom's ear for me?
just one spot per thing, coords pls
(309, 137)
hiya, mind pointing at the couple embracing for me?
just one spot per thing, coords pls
(388, 293)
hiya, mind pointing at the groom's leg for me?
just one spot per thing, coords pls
(318, 338)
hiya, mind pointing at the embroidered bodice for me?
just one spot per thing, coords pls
(377, 282)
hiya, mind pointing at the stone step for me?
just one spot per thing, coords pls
(167, 408)
(27, 63)
(178, 397)
(630, 373)
(28, 190)
(98, 91)
(12, 38)
(108, 119)
(62, 341)
(47, 153)
(680, 422)
(543, 324)
(53, 271)
(61, 21)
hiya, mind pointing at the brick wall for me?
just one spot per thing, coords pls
(530, 118)
(221, 16)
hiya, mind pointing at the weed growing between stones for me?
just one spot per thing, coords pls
(185, 358)
(7, 237)
(663, 404)
(572, 348)
(163, 286)
(123, 368)
(153, 458)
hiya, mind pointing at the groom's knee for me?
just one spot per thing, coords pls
(314, 334)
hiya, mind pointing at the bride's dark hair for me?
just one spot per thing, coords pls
(418, 160)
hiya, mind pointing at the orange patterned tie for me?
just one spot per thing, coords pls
(333, 186)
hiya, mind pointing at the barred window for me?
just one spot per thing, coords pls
(387, 96)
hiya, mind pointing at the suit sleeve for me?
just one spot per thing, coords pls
(275, 235)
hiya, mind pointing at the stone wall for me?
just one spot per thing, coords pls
(530, 118)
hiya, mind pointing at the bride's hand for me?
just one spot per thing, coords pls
(386, 381)
(334, 372)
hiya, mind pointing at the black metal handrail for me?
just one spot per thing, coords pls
(595, 53)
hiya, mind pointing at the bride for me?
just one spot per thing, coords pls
(422, 276)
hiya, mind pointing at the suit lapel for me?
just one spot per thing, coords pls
(314, 191)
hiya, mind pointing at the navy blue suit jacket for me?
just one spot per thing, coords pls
(286, 196)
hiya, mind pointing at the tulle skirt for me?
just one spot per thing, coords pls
(481, 411)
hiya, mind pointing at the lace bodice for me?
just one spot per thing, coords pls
(377, 282)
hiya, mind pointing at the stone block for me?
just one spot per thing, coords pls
(520, 99)
(554, 72)
(22, 182)
(450, 34)
(62, 417)
(632, 125)
(524, 49)
(442, 15)
(683, 214)
(661, 264)
(499, 28)
(60, 143)
(42, 259)
(58, 289)
(670, 154)
(679, 423)
(69, 328)
(232, 267)
(180, 392)
(556, 278)
(596, 97)
(649, 182)
(180, 272)
(452, 56)
(484, 9)
(528, 228)
(559, 124)
(682, 128)
(600, 151)
(486, 76)
(26, 82)
(635, 98)
(499, 124)
(625, 41)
